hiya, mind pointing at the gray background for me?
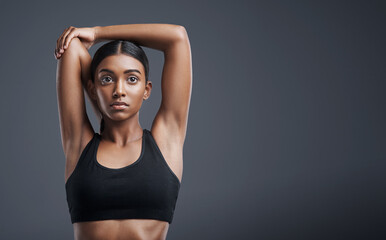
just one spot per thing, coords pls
(286, 134)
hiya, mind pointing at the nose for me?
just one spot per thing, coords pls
(119, 89)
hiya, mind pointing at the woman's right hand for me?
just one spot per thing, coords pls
(86, 35)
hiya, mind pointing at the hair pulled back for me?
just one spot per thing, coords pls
(116, 47)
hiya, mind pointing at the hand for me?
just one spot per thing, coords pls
(86, 35)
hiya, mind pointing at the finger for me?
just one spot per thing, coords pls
(69, 37)
(60, 44)
(56, 54)
(71, 29)
(60, 38)
(59, 41)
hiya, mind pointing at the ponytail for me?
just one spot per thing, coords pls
(102, 127)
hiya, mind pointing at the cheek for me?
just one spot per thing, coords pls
(135, 93)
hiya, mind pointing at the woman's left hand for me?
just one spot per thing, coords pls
(86, 35)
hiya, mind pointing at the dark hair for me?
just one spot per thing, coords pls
(116, 47)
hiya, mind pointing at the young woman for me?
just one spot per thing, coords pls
(123, 182)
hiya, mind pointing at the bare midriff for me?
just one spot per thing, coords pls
(121, 229)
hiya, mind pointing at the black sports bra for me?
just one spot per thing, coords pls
(145, 189)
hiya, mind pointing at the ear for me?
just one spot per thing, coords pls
(148, 89)
(91, 90)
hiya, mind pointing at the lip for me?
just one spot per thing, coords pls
(118, 104)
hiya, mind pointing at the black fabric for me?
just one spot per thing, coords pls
(146, 189)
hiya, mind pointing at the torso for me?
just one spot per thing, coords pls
(125, 229)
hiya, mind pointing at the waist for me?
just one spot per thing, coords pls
(138, 229)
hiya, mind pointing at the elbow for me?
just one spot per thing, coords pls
(76, 47)
(182, 34)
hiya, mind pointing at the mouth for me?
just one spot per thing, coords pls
(119, 105)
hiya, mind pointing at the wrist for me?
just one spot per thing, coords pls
(97, 35)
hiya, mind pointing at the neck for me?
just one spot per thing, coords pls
(122, 132)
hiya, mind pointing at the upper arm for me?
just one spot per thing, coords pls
(176, 87)
(74, 123)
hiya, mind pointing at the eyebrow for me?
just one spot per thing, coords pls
(127, 71)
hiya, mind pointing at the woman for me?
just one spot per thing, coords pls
(123, 182)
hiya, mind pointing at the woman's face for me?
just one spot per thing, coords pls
(120, 78)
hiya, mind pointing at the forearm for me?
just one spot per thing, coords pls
(153, 35)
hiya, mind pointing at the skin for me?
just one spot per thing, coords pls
(122, 134)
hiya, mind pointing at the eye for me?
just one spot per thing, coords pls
(133, 79)
(106, 78)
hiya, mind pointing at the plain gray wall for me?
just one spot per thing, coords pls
(286, 135)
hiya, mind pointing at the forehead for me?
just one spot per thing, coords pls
(120, 63)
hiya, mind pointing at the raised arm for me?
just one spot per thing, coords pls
(72, 75)
(176, 84)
